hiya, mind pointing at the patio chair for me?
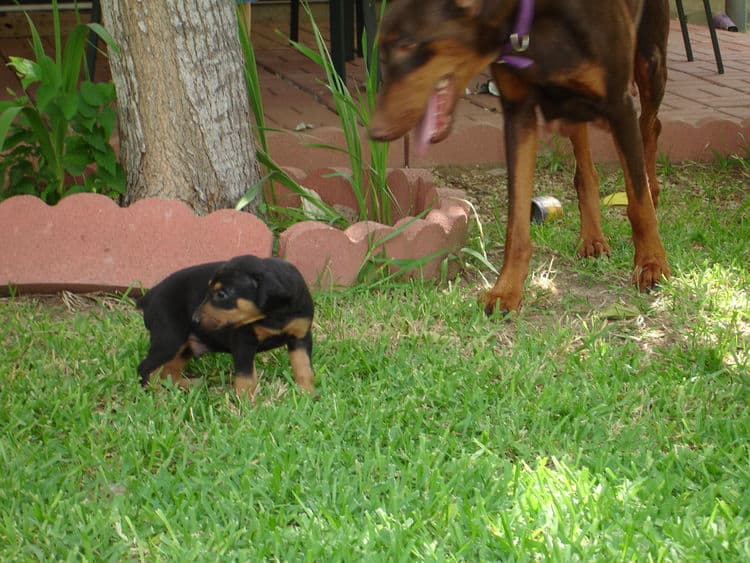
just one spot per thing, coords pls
(711, 28)
(342, 23)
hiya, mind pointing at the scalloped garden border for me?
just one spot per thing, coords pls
(89, 243)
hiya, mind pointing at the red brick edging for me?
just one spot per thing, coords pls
(88, 243)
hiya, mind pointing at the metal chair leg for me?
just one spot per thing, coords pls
(338, 36)
(96, 17)
(714, 39)
(683, 26)
(341, 17)
(294, 21)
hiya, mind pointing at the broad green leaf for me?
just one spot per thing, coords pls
(106, 91)
(45, 93)
(96, 141)
(76, 144)
(107, 120)
(85, 123)
(75, 162)
(28, 71)
(91, 94)
(6, 121)
(19, 134)
(72, 57)
(69, 104)
(107, 160)
(105, 36)
(76, 189)
(41, 134)
(87, 110)
(49, 72)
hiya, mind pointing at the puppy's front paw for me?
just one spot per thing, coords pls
(246, 385)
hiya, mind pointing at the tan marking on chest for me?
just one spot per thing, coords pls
(511, 87)
(587, 78)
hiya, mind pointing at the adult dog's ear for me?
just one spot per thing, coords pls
(472, 7)
(273, 290)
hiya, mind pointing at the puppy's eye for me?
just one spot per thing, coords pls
(221, 294)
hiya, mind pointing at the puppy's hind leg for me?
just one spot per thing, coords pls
(167, 361)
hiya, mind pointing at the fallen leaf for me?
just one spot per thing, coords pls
(617, 198)
(620, 311)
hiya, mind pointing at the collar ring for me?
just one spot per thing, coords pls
(519, 43)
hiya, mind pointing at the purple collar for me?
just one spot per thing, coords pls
(519, 39)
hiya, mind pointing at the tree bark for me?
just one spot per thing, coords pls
(182, 101)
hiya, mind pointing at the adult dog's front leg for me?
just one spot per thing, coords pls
(521, 147)
(650, 257)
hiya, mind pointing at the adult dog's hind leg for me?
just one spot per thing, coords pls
(650, 74)
(650, 264)
(586, 180)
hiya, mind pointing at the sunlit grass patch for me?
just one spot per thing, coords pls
(596, 424)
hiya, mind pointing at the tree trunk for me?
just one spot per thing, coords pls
(182, 101)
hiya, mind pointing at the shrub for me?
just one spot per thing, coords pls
(54, 138)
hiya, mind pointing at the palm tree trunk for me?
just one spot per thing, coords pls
(182, 102)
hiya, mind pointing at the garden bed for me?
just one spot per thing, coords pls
(88, 243)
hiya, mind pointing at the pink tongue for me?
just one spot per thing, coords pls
(426, 128)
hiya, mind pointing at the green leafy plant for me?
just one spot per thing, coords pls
(374, 198)
(54, 137)
(273, 172)
(369, 184)
(666, 166)
(553, 156)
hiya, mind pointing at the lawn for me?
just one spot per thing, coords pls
(597, 424)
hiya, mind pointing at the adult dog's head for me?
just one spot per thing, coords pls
(430, 49)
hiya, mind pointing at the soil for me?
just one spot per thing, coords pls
(551, 275)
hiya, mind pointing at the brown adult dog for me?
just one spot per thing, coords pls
(574, 63)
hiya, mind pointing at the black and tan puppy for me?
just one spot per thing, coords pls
(243, 306)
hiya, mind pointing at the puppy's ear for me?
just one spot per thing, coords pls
(273, 291)
(472, 7)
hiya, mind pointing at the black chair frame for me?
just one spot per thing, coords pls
(342, 17)
(712, 30)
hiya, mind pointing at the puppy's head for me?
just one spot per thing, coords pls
(240, 293)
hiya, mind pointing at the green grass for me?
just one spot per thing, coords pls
(439, 434)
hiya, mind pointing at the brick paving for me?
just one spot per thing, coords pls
(696, 96)
(699, 102)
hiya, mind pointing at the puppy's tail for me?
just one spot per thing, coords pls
(143, 301)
